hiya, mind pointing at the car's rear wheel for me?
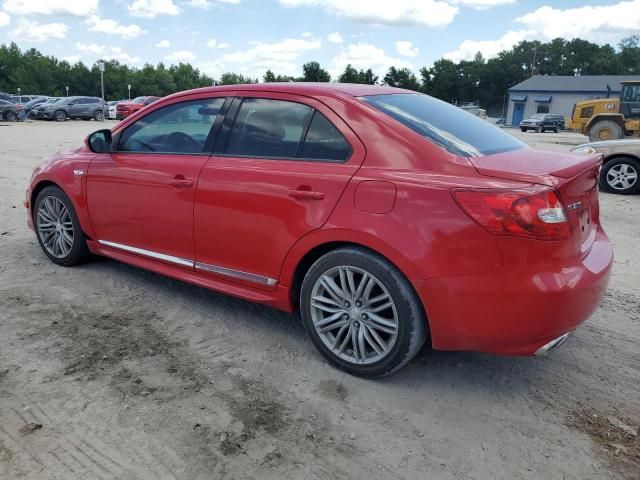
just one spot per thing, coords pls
(98, 116)
(10, 116)
(555, 129)
(60, 116)
(361, 312)
(58, 229)
(621, 175)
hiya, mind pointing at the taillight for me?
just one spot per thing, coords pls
(534, 212)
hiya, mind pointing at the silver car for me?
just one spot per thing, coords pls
(621, 168)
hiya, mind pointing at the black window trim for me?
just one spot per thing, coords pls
(207, 149)
(230, 120)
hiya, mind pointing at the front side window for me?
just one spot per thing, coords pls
(324, 142)
(268, 128)
(178, 128)
(450, 127)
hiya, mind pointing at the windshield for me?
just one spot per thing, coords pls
(138, 100)
(450, 127)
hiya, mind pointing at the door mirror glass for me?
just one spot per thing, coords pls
(100, 141)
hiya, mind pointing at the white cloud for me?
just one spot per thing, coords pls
(72, 59)
(181, 56)
(335, 37)
(213, 43)
(489, 48)
(153, 8)
(406, 49)
(206, 4)
(429, 13)
(79, 8)
(4, 19)
(224, 45)
(364, 56)
(595, 23)
(600, 24)
(112, 27)
(281, 57)
(163, 44)
(107, 52)
(38, 32)
(482, 4)
(307, 35)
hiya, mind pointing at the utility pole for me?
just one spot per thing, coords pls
(533, 65)
(129, 88)
(67, 88)
(101, 67)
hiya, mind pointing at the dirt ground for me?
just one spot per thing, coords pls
(111, 372)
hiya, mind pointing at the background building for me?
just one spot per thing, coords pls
(558, 94)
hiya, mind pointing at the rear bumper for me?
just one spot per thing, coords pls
(518, 310)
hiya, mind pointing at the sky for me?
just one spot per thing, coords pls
(251, 36)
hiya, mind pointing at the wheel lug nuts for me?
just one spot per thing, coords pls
(345, 317)
(364, 316)
(358, 304)
(347, 304)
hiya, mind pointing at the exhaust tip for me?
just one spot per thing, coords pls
(553, 344)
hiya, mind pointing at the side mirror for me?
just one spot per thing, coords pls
(99, 141)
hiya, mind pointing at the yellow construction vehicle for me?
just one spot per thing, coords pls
(609, 118)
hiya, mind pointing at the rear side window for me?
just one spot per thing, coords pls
(179, 128)
(450, 127)
(268, 128)
(324, 141)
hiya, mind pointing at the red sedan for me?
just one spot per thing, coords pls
(384, 217)
(124, 109)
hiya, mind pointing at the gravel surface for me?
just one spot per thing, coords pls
(111, 372)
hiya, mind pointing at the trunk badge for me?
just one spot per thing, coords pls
(574, 206)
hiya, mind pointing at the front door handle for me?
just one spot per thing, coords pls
(180, 182)
(304, 192)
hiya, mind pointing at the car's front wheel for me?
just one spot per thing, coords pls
(10, 117)
(58, 229)
(621, 175)
(522, 129)
(60, 116)
(540, 129)
(361, 312)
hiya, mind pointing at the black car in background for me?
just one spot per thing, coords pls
(542, 122)
(73, 107)
(8, 111)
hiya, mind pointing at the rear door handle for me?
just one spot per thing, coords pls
(180, 182)
(306, 194)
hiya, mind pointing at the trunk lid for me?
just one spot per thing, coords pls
(574, 176)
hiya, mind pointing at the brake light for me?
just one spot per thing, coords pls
(534, 212)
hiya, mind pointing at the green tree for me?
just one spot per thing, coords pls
(401, 78)
(312, 72)
(230, 78)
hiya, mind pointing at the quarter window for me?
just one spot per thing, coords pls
(268, 128)
(178, 128)
(324, 141)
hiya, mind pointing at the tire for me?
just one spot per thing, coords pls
(522, 129)
(10, 117)
(555, 129)
(540, 129)
(60, 116)
(605, 130)
(387, 346)
(47, 212)
(98, 116)
(621, 176)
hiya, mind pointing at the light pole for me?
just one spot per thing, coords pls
(101, 67)
(67, 88)
(19, 98)
(129, 88)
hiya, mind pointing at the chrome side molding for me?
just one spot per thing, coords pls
(228, 272)
(250, 277)
(148, 253)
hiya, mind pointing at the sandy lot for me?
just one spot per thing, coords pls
(134, 376)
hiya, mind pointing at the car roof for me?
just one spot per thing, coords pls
(307, 88)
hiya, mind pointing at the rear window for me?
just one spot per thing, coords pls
(450, 127)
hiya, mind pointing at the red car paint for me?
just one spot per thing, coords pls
(396, 195)
(124, 109)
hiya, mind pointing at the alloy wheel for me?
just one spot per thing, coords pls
(354, 315)
(55, 227)
(622, 176)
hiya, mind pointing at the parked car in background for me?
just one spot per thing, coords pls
(73, 107)
(49, 101)
(371, 211)
(30, 105)
(124, 109)
(542, 122)
(621, 168)
(112, 113)
(23, 99)
(8, 111)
